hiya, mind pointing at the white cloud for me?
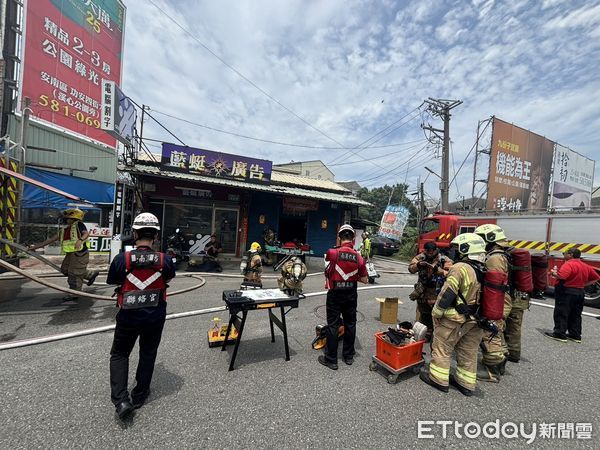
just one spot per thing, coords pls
(334, 62)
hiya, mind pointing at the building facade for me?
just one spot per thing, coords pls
(239, 211)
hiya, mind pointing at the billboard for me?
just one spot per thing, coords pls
(118, 113)
(393, 222)
(215, 164)
(572, 179)
(520, 168)
(70, 46)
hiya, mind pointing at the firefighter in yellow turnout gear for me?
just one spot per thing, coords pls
(455, 328)
(493, 349)
(73, 244)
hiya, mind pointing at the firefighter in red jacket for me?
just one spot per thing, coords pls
(573, 276)
(344, 268)
(142, 275)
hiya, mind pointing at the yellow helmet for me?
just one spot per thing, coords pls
(470, 245)
(73, 213)
(255, 246)
(491, 233)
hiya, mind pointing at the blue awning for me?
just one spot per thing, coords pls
(93, 191)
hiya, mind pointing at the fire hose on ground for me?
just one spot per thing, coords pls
(89, 331)
(85, 294)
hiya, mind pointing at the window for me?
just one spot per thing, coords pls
(307, 173)
(466, 229)
(427, 226)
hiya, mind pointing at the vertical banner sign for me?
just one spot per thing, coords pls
(520, 166)
(572, 179)
(70, 47)
(118, 113)
(393, 222)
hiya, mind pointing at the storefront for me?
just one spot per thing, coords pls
(237, 198)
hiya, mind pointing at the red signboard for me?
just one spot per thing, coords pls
(70, 47)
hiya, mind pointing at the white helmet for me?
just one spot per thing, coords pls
(146, 220)
(346, 227)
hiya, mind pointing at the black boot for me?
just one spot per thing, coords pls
(502, 367)
(463, 390)
(424, 376)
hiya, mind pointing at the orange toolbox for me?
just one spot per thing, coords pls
(397, 359)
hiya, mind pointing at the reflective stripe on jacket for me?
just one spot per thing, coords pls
(462, 280)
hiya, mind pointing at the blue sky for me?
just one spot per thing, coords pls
(352, 68)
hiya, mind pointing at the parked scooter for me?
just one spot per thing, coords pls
(175, 245)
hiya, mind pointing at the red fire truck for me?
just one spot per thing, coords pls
(540, 233)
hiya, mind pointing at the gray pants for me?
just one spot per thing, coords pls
(74, 266)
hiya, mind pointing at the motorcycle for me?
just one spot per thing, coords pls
(175, 245)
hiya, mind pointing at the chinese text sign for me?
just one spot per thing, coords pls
(70, 47)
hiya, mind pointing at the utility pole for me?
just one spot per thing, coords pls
(422, 201)
(441, 108)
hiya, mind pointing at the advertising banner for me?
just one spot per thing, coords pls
(572, 179)
(214, 164)
(70, 46)
(119, 115)
(393, 222)
(520, 167)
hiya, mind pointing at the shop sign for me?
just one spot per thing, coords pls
(177, 158)
(293, 204)
(99, 238)
(191, 192)
(119, 115)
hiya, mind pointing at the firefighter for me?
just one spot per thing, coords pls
(456, 330)
(492, 347)
(432, 269)
(141, 275)
(293, 272)
(344, 267)
(252, 265)
(515, 302)
(74, 245)
(365, 246)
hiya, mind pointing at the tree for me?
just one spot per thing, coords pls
(380, 197)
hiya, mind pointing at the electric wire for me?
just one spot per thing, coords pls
(360, 146)
(158, 122)
(268, 141)
(417, 164)
(241, 75)
(419, 142)
(396, 167)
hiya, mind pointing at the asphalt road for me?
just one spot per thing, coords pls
(56, 395)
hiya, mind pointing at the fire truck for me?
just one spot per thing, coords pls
(552, 234)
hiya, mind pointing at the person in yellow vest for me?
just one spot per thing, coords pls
(365, 247)
(73, 243)
(455, 328)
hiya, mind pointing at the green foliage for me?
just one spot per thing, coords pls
(379, 198)
(409, 244)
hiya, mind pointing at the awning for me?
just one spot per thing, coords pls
(87, 191)
(39, 184)
(276, 189)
